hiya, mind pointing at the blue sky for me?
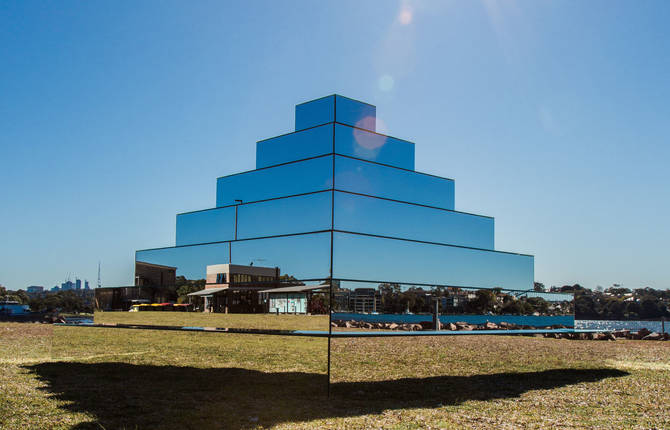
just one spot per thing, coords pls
(552, 117)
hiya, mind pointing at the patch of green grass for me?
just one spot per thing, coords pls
(70, 377)
(200, 319)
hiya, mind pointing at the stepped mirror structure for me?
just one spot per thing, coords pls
(336, 222)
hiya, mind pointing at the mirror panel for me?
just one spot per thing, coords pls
(364, 214)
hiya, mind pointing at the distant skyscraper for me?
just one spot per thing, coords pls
(55, 289)
(86, 287)
(67, 285)
(35, 289)
(78, 284)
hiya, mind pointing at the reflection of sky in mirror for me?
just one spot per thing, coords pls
(378, 259)
(190, 261)
(295, 146)
(298, 214)
(314, 112)
(374, 147)
(303, 257)
(387, 218)
(373, 179)
(354, 112)
(288, 179)
(213, 225)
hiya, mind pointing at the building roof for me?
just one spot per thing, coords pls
(295, 289)
(207, 291)
(212, 291)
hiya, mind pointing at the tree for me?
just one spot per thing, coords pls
(539, 286)
(484, 302)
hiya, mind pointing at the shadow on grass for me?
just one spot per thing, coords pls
(121, 395)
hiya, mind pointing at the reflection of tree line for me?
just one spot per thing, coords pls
(619, 303)
(392, 298)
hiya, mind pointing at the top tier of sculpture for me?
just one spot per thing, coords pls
(335, 125)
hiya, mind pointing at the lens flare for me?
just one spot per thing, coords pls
(386, 83)
(405, 16)
(368, 144)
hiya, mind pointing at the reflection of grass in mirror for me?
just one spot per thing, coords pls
(156, 379)
(264, 321)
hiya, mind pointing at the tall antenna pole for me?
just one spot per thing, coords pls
(99, 283)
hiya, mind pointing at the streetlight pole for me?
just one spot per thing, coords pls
(238, 202)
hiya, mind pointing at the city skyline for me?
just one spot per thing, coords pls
(557, 130)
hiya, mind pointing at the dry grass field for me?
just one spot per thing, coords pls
(103, 378)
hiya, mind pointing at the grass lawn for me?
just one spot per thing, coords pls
(68, 377)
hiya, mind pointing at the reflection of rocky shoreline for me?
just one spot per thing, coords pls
(642, 334)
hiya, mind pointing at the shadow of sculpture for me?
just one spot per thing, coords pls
(122, 395)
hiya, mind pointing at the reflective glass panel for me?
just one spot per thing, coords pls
(189, 261)
(383, 181)
(280, 181)
(359, 257)
(379, 148)
(213, 225)
(300, 214)
(375, 306)
(315, 112)
(298, 257)
(295, 146)
(363, 214)
(356, 113)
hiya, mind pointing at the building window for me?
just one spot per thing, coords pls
(239, 278)
(220, 278)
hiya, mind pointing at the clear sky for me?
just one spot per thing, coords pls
(551, 116)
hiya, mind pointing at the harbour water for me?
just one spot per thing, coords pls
(529, 320)
(654, 326)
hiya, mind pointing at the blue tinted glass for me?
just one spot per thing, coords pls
(304, 256)
(280, 181)
(353, 112)
(383, 181)
(387, 218)
(315, 112)
(295, 146)
(299, 214)
(378, 259)
(213, 225)
(358, 143)
(190, 261)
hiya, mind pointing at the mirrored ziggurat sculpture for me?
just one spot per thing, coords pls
(333, 205)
